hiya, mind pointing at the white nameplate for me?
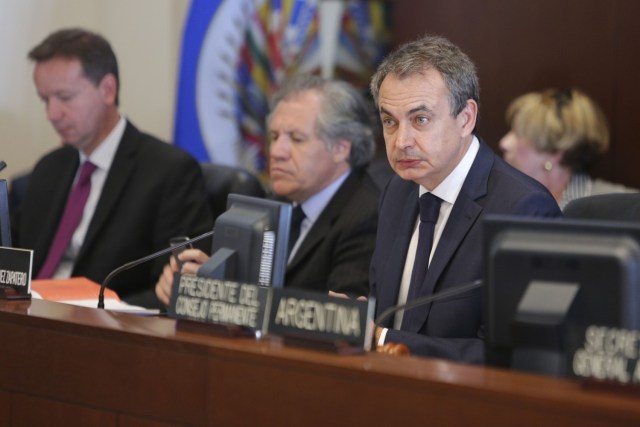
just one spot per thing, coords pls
(15, 272)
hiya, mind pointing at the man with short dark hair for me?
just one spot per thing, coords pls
(110, 194)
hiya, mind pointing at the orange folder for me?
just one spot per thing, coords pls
(74, 288)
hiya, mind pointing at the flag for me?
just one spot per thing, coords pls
(235, 53)
(187, 132)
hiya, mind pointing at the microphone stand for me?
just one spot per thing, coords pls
(427, 299)
(136, 262)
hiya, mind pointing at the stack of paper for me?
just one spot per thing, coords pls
(81, 291)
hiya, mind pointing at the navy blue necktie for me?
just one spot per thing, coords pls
(429, 211)
(297, 216)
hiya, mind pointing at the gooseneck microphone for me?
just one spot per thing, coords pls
(136, 262)
(466, 287)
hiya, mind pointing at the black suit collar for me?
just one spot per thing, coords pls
(122, 167)
(328, 216)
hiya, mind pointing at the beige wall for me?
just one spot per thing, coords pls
(146, 37)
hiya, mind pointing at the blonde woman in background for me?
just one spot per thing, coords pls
(555, 137)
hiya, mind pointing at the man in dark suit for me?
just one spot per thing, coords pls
(427, 96)
(139, 191)
(321, 141)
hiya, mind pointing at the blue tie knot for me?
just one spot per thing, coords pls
(429, 207)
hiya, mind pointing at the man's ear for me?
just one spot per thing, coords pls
(341, 150)
(109, 88)
(467, 118)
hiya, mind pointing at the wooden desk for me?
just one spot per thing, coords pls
(66, 365)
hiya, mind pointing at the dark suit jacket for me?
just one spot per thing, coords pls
(336, 253)
(153, 191)
(18, 190)
(450, 328)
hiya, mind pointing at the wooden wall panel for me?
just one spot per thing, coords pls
(5, 409)
(527, 45)
(626, 108)
(30, 411)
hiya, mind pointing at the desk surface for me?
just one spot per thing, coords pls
(110, 368)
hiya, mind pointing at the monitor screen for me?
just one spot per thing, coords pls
(250, 242)
(5, 224)
(548, 280)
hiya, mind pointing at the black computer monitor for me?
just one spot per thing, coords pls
(250, 242)
(547, 280)
(5, 223)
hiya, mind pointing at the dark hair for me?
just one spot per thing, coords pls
(92, 50)
(433, 52)
(344, 115)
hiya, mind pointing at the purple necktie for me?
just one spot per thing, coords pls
(70, 220)
(429, 212)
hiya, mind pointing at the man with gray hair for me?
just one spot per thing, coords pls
(447, 179)
(320, 142)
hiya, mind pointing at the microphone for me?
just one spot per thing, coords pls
(466, 287)
(136, 262)
(2, 165)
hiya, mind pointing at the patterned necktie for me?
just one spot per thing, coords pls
(70, 220)
(429, 211)
(297, 216)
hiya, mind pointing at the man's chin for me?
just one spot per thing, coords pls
(408, 174)
(68, 141)
(280, 191)
(284, 191)
(78, 145)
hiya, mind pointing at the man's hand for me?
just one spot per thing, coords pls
(397, 349)
(192, 259)
(377, 330)
(345, 296)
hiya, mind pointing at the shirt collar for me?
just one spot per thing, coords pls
(315, 204)
(103, 155)
(450, 187)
